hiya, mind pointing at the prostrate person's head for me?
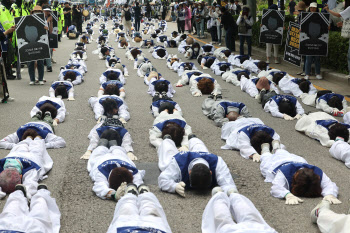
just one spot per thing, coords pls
(224, 67)
(134, 52)
(335, 102)
(242, 74)
(262, 65)
(110, 107)
(189, 41)
(263, 83)
(232, 116)
(227, 53)
(276, 78)
(259, 138)
(304, 86)
(104, 51)
(112, 76)
(119, 175)
(183, 37)
(29, 133)
(70, 76)
(338, 130)
(172, 44)
(61, 90)
(285, 106)
(161, 53)
(11, 175)
(175, 131)
(210, 61)
(112, 89)
(153, 74)
(306, 183)
(206, 86)
(166, 105)
(48, 107)
(124, 43)
(161, 86)
(200, 176)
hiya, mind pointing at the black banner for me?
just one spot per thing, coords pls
(271, 30)
(32, 38)
(314, 34)
(291, 52)
(53, 37)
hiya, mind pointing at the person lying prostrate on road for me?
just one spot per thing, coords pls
(114, 70)
(152, 76)
(123, 43)
(114, 63)
(341, 150)
(327, 101)
(160, 86)
(234, 76)
(219, 68)
(105, 51)
(255, 66)
(204, 85)
(194, 169)
(139, 211)
(159, 52)
(40, 214)
(136, 37)
(282, 106)
(207, 49)
(112, 80)
(173, 62)
(185, 66)
(147, 43)
(76, 66)
(193, 51)
(79, 55)
(206, 61)
(52, 104)
(73, 76)
(170, 44)
(27, 163)
(247, 135)
(132, 53)
(185, 42)
(175, 36)
(296, 86)
(109, 105)
(322, 127)
(222, 53)
(167, 123)
(144, 66)
(222, 111)
(38, 126)
(217, 215)
(160, 104)
(186, 77)
(292, 177)
(238, 60)
(255, 85)
(62, 89)
(109, 167)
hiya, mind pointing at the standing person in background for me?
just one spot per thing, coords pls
(269, 45)
(291, 7)
(148, 10)
(188, 17)
(237, 8)
(230, 26)
(77, 18)
(212, 25)
(245, 23)
(48, 17)
(67, 17)
(217, 16)
(200, 16)
(181, 19)
(126, 19)
(193, 18)
(138, 16)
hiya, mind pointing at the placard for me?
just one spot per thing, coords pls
(271, 30)
(291, 52)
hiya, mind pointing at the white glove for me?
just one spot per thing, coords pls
(2, 195)
(298, 116)
(54, 123)
(180, 188)
(256, 158)
(183, 148)
(131, 156)
(275, 145)
(86, 155)
(258, 98)
(332, 199)
(287, 117)
(126, 74)
(101, 118)
(205, 68)
(197, 94)
(70, 99)
(122, 120)
(120, 191)
(292, 200)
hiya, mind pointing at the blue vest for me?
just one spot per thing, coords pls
(162, 38)
(26, 164)
(255, 80)
(297, 81)
(183, 64)
(76, 72)
(107, 166)
(68, 66)
(41, 103)
(279, 98)
(184, 159)
(7, 231)
(239, 71)
(223, 63)
(326, 97)
(121, 34)
(207, 48)
(120, 130)
(328, 123)
(156, 81)
(71, 28)
(208, 57)
(159, 102)
(145, 41)
(288, 169)
(189, 74)
(278, 72)
(116, 99)
(66, 84)
(161, 125)
(138, 230)
(112, 82)
(238, 105)
(250, 130)
(200, 78)
(40, 129)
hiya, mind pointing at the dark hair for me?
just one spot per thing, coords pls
(199, 59)
(338, 130)
(287, 107)
(187, 66)
(223, 9)
(209, 62)
(240, 74)
(205, 85)
(200, 177)
(304, 86)
(161, 52)
(112, 89)
(109, 105)
(227, 53)
(154, 35)
(224, 67)
(166, 105)
(262, 65)
(243, 58)
(119, 175)
(123, 43)
(79, 48)
(323, 92)
(182, 37)
(29, 132)
(174, 33)
(62, 91)
(175, 131)
(276, 78)
(111, 134)
(111, 61)
(172, 43)
(259, 138)
(161, 86)
(112, 76)
(80, 54)
(335, 102)
(49, 107)
(104, 50)
(134, 52)
(306, 183)
(70, 75)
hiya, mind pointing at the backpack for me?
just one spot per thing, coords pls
(127, 15)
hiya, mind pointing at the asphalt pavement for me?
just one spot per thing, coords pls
(71, 186)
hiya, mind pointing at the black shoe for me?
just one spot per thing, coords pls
(47, 113)
(192, 135)
(22, 188)
(49, 69)
(164, 94)
(143, 189)
(42, 186)
(11, 77)
(39, 114)
(167, 136)
(103, 142)
(218, 97)
(132, 188)
(211, 96)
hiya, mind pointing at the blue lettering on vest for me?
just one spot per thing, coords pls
(107, 166)
(40, 129)
(161, 125)
(120, 130)
(250, 130)
(66, 84)
(237, 105)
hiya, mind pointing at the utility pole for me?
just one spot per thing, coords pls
(252, 6)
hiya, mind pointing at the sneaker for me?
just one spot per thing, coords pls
(319, 77)
(41, 82)
(42, 186)
(316, 211)
(307, 77)
(211, 96)
(219, 43)
(131, 188)
(215, 190)
(47, 113)
(164, 94)
(49, 69)
(22, 188)
(39, 114)
(10, 99)
(276, 61)
(267, 61)
(31, 83)
(53, 61)
(218, 97)
(143, 189)
(167, 136)
(192, 135)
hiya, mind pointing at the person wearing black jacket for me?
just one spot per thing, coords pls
(77, 18)
(67, 17)
(137, 12)
(230, 27)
